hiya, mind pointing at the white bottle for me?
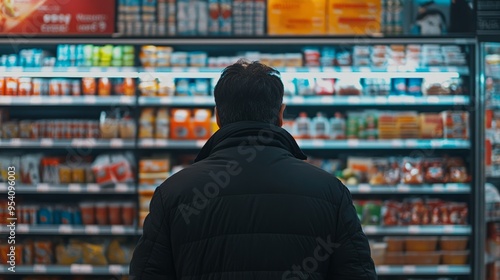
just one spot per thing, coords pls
(337, 127)
(320, 128)
(302, 127)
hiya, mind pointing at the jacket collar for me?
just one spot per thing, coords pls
(250, 133)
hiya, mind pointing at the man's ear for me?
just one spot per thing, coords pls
(281, 115)
(217, 117)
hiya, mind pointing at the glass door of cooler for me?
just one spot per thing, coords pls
(490, 83)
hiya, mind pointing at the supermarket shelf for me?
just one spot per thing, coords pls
(73, 229)
(385, 144)
(423, 270)
(123, 269)
(319, 100)
(171, 144)
(71, 188)
(67, 100)
(411, 189)
(492, 219)
(245, 41)
(69, 72)
(77, 269)
(191, 101)
(418, 230)
(213, 73)
(328, 144)
(75, 143)
(376, 100)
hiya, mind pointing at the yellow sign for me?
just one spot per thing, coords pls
(296, 17)
(354, 17)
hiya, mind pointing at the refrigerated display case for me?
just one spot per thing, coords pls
(490, 83)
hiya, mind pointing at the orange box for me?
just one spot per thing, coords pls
(202, 123)
(296, 17)
(354, 17)
(181, 125)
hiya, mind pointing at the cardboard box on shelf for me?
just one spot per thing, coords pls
(296, 17)
(354, 17)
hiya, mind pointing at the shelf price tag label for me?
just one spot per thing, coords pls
(411, 143)
(36, 100)
(7, 100)
(364, 69)
(147, 142)
(403, 188)
(353, 100)
(327, 100)
(364, 188)
(80, 269)
(290, 70)
(16, 142)
(42, 187)
(66, 229)
(318, 143)
(346, 69)
(409, 269)
(115, 269)
(353, 143)
(381, 100)
(383, 269)
(89, 99)
(396, 143)
(200, 143)
(91, 229)
(121, 187)
(414, 229)
(93, 188)
(39, 268)
(433, 100)
(163, 100)
(452, 187)
(23, 228)
(443, 269)
(370, 229)
(126, 100)
(161, 143)
(200, 100)
(46, 142)
(72, 69)
(117, 229)
(65, 100)
(297, 100)
(448, 229)
(74, 188)
(116, 143)
(438, 188)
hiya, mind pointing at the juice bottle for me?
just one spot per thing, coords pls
(337, 127)
(320, 128)
(302, 126)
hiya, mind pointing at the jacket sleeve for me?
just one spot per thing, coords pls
(152, 258)
(351, 259)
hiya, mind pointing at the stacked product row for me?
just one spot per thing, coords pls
(105, 169)
(10, 86)
(87, 213)
(72, 251)
(414, 211)
(373, 124)
(73, 55)
(421, 251)
(396, 170)
(113, 124)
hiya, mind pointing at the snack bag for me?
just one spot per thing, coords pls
(93, 254)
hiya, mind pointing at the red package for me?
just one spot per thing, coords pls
(122, 172)
(457, 172)
(412, 171)
(391, 210)
(43, 252)
(434, 171)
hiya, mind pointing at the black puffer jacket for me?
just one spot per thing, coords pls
(250, 208)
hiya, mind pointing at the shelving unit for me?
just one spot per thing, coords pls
(465, 192)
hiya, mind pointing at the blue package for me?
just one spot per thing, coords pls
(77, 217)
(66, 216)
(45, 216)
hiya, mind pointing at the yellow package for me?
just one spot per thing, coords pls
(353, 17)
(118, 253)
(296, 17)
(70, 254)
(94, 254)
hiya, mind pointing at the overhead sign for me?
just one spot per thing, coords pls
(57, 17)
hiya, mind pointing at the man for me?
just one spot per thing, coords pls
(250, 207)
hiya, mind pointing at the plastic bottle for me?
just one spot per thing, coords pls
(320, 128)
(302, 126)
(337, 127)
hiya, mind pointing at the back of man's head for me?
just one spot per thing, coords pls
(249, 91)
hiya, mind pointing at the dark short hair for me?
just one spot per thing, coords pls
(249, 91)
